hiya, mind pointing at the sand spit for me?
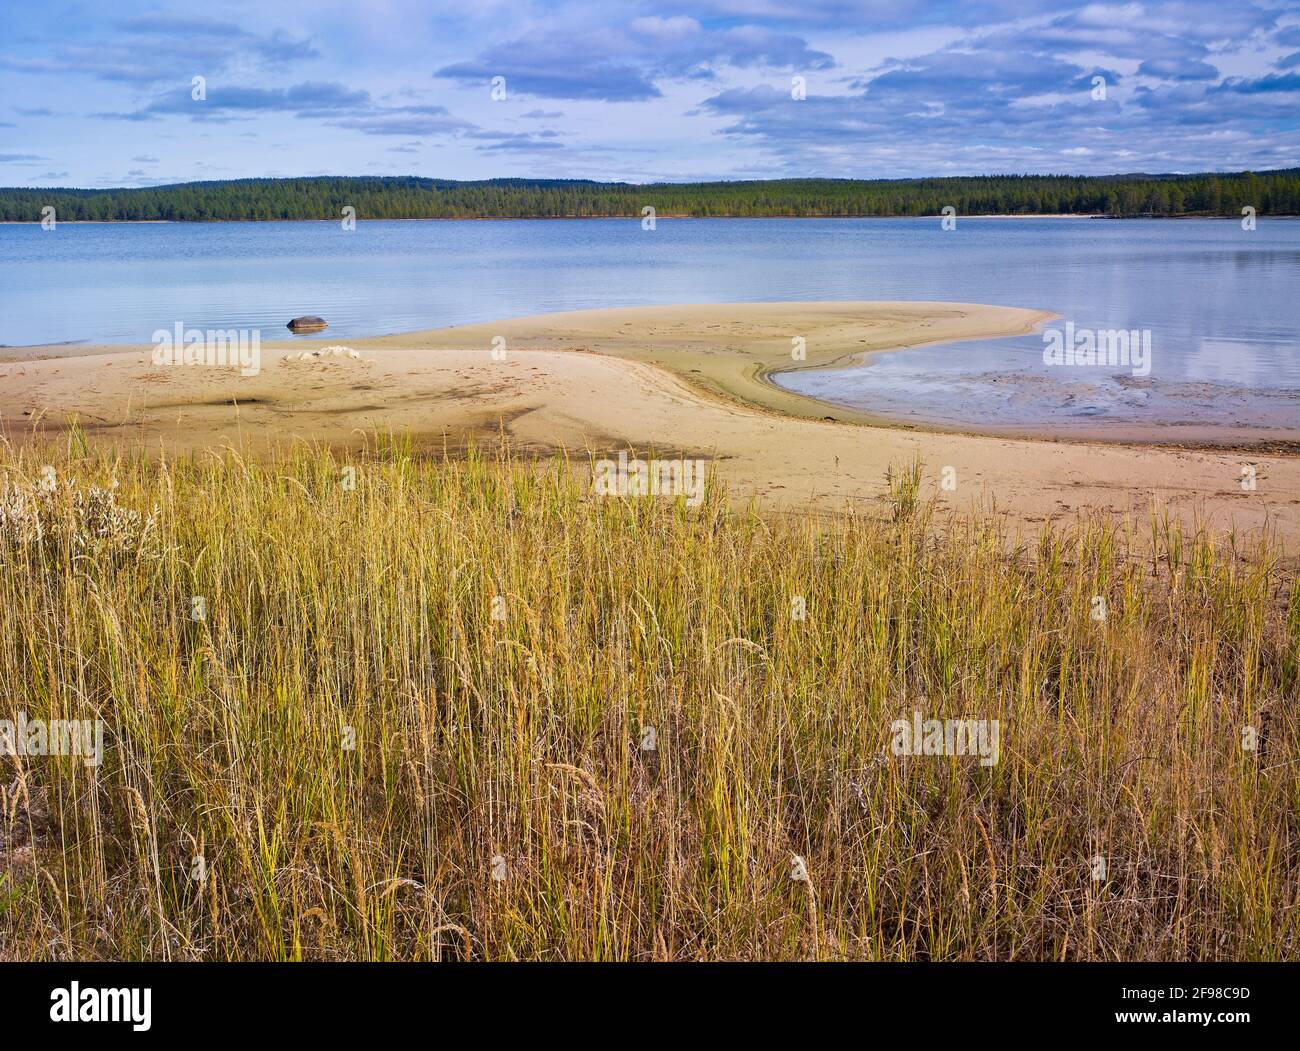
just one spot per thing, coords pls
(687, 381)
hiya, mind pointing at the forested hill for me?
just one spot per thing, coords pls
(1269, 193)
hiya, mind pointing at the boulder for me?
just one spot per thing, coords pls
(307, 324)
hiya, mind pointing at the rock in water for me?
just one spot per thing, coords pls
(307, 324)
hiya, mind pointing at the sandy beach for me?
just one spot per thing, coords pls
(677, 381)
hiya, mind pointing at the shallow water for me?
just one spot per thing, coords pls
(1221, 305)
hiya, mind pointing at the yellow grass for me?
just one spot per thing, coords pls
(338, 758)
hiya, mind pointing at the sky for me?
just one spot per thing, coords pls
(105, 93)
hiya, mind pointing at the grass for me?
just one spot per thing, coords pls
(449, 672)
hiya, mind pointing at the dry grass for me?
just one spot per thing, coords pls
(365, 617)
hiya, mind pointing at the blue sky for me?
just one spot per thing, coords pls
(100, 94)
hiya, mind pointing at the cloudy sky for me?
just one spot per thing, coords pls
(101, 94)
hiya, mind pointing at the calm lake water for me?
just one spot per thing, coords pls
(1221, 305)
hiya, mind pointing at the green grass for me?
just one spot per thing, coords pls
(364, 617)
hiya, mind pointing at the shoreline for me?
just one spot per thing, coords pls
(638, 217)
(750, 381)
(684, 381)
(753, 383)
(565, 218)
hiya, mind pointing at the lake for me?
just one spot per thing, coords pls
(1219, 306)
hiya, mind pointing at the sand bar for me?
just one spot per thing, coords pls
(689, 380)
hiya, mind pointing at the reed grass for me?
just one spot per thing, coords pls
(401, 691)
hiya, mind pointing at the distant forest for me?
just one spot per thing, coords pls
(1269, 193)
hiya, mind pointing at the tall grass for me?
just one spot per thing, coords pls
(340, 758)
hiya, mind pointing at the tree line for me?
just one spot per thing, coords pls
(408, 197)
